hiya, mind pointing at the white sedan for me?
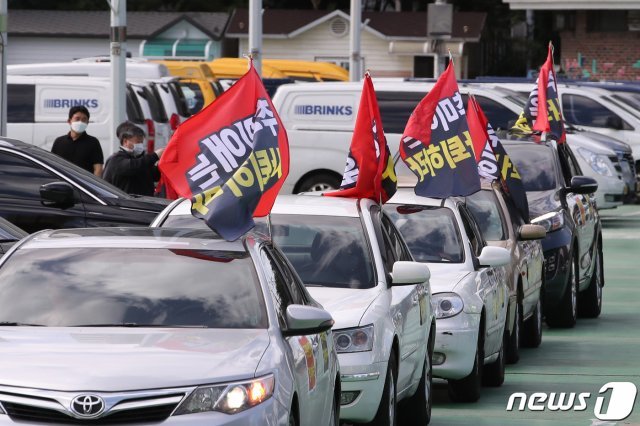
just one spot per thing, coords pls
(470, 292)
(354, 262)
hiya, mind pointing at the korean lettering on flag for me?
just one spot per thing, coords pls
(436, 144)
(493, 160)
(542, 111)
(231, 158)
(369, 172)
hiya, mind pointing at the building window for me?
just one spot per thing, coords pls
(423, 66)
(606, 21)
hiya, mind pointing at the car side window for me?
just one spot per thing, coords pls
(296, 288)
(474, 239)
(567, 164)
(400, 250)
(386, 248)
(21, 100)
(498, 115)
(22, 178)
(277, 287)
(583, 111)
(396, 107)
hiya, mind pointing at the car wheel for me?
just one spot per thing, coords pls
(468, 389)
(493, 374)
(532, 330)
(591, 299)
(417, 409)
(566, 313)
(386, 415)
(319, 182)
(513, 348)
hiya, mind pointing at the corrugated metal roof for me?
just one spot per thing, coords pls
(97, 23)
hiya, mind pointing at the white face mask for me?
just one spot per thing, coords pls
(79, 126)
(138, 148)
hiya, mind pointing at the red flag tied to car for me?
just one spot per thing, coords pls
(436, 144)
(369, 172)
(542, 111)
(493, 160)
(231, 158)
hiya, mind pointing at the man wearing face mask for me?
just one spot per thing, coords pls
(131, 169)
(77, 146)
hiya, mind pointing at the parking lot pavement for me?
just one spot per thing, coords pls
(579, 360)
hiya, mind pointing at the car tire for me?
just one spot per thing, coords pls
(319, 182)
(493, 374)
(335, 411)
(513, 348)
(590, 304)
(566, 313)
(387, 410)
(532, 328)
(417, 409)
(468, 388)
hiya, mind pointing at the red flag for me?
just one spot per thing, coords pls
(485, 157)
(231, 158)
(436, 144)
(369, 172)
(542, 111)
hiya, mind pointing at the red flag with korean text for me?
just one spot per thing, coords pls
(542, 111)
(493, 160)
(436, 144)
(231, 158)
(369, 172)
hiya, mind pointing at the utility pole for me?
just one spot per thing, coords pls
(3, 66)
(118, 49)
(255, 33)
(355, 59)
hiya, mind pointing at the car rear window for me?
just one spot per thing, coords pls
(325, 250)
(536, 165)
(430, 232)
(160, 287)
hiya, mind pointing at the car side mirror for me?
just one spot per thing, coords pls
(303, 320)
(58, 194)
(494, 256)
(583, 185)
(531, 232)
(406, 273)
(614, 122)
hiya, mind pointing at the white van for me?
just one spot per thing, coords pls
(38, 108)
(135, 69)
(320, 117)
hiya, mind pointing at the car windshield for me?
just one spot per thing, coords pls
(486, 211)
(430, 232)
(154, 287)
(535, 164)
(325, 250)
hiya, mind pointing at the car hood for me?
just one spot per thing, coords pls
(541, 202)
(581, 140)
(446, 276)
(118, 359)
(152, 204)
(608, 141)
(346, 305)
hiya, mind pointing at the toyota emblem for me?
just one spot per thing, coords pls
(87, 406)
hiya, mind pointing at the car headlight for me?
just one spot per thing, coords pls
(228, 398)
(358, 339)
(601, 164)
(446, 305)
(551, 221)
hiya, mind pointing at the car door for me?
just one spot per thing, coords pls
(306, 351)
(20, 200)
(488, 286)
(405, 305)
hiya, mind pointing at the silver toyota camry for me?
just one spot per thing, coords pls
(162, 326)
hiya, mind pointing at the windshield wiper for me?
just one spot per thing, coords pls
(18, 324)
(135, 324)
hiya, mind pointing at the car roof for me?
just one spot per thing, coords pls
(135, 237)
(406, 195)
(316, 205)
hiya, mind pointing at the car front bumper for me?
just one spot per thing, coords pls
(611, 192)
(457, 340)
(358, 373)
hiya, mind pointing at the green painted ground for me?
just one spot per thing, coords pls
(581, 359)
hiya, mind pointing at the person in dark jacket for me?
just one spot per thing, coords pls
(131, 169)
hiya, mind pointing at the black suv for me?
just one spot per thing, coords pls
(560, 199)
(40, 190)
